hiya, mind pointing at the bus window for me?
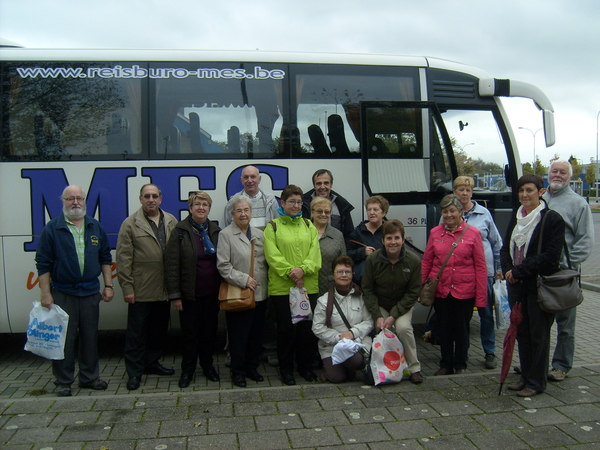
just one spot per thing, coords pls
(328, 98)
(405, 149)
(56, 111)
(481, 152)
(218, 110)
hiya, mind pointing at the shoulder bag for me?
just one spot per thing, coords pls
(560, 290)
(233, 298)
(427, 295)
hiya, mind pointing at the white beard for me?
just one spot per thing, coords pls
(74, 213)
(554, 186)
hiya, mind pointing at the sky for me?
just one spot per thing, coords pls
(552, 44)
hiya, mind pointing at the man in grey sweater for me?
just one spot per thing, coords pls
(579, 236)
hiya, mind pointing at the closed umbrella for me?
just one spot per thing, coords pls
(516, 316)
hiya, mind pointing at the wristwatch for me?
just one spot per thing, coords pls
(110, 286)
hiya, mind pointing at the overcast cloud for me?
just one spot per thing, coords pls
(550, 43)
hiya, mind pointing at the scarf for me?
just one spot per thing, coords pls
(209, 247)
(281, 213)
(521, 235)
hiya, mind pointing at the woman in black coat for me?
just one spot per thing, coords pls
(521, 264)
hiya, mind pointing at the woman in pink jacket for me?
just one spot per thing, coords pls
(462, 286)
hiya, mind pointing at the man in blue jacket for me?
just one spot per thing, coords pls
(72, 252)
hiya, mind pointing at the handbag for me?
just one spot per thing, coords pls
(427, 295)
(561, 290)
(233, 298)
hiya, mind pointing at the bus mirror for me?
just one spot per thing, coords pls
(549, 131)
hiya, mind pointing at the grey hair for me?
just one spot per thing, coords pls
(237, 199)
(451, 200)
(562, 161)
(70, 186)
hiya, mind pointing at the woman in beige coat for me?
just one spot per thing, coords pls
(244, 328)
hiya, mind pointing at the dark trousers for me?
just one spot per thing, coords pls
(533, 337)
(147, 326)
(338, 373)
(454, 316)
(199, 322)
(294, 338)
(245, 330)
(84, 313)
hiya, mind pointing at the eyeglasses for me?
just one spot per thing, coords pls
(155, 196)
(73, 199)
(322, 211)
(293, 203)
(242, 211)
(343, 272)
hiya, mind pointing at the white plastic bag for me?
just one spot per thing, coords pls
(343, 350)
(299, 304)
(47, 331)
(502, 306)
(387, 358)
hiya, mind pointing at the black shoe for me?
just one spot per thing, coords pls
(239, 380)
(254, 375)
(184, 380)
(211, 374)
(288, 379)
(159, 370)
(97, 384)
(133, 383)
(308, 375)
(63, 390)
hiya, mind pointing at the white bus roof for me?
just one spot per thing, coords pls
(121, 55)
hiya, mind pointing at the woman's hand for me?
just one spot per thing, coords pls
(509, 277)
(347, 335)
(251, 283)
(498, 275)
(369, 250)
(297, 275)
(177, 305)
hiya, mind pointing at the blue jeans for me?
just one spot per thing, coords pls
(486, 319)
(565, 340)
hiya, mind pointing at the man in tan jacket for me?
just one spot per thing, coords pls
(140, 265)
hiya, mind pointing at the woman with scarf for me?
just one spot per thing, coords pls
(294, 257)
(331, 327)
(193, 286)
(521, 264)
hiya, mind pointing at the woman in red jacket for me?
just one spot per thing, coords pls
(463, 283)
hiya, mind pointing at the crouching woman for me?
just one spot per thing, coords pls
(349, 319)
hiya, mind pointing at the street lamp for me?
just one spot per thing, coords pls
(533, 134)
(596, 174)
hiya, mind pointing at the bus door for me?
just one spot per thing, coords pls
(407, 159)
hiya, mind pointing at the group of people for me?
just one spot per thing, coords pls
(358, 280)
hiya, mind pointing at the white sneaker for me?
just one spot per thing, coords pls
(557, 375)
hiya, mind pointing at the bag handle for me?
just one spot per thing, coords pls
(454, 245)
(252, 258)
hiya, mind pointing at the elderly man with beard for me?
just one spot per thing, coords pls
(73, 251)
(579, 236)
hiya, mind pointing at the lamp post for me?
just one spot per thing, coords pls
(533, 134)
(596, 171)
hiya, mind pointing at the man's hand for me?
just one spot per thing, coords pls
(108, 294)
(129, 298)
(177, 305)
(47, 300)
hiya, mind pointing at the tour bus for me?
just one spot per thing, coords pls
(113, 120)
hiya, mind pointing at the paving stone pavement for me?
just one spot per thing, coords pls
(448, 412)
